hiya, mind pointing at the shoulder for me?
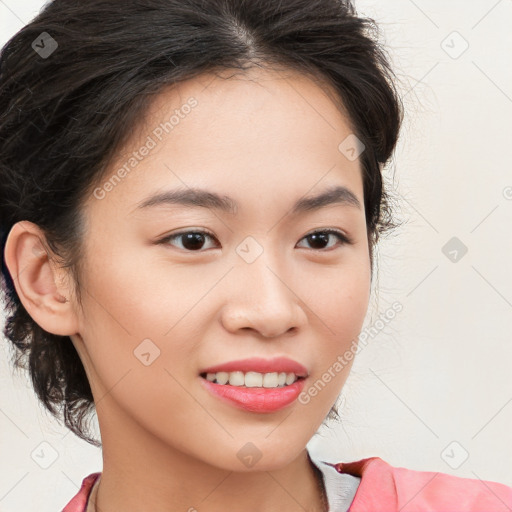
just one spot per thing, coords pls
(79, 501)
(387, 488)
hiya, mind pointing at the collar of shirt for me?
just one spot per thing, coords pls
(339, 487)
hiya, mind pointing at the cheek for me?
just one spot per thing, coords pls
(338, 305)
(135, 294)
(337, 298)
(133, 308)
(136, 365)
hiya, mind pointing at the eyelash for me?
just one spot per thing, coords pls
(344, 239)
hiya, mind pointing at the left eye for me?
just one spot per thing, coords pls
(323, 235)
(193, 241)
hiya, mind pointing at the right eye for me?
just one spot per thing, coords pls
(191, 241)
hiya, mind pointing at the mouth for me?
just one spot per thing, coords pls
(256, 372)
(254, 392)
(241, 379)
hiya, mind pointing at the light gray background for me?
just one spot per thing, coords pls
(434, 384)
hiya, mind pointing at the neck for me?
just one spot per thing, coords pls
(140, 472)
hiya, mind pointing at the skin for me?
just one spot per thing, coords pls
(265, 139)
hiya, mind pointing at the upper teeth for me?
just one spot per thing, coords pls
(253, 379)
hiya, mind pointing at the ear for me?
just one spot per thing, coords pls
(39, 282)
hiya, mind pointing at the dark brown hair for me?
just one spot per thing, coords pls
(64, 116)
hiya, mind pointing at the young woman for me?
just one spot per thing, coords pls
(191, 195)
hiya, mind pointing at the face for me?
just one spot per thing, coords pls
(171, 288)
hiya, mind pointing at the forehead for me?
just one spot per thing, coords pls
(262, 131)
(278, 95)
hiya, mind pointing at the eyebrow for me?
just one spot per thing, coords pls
(201, 198)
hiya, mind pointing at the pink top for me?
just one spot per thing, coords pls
(385, 488)
(80, 500)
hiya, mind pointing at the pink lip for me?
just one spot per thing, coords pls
(256, 399)
(260, 365)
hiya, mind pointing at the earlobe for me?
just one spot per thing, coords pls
(38, 280)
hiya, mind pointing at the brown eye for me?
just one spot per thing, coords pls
(319, 240)
(191, 241)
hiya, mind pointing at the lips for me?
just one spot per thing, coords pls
(256, 400)
(260, 365)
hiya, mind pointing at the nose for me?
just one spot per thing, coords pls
(262, 299)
